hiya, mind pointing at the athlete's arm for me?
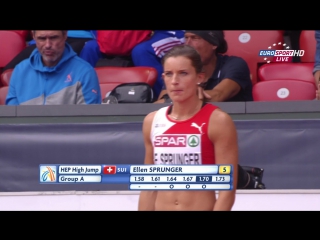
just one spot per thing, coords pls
(147, 198)
(223, 135)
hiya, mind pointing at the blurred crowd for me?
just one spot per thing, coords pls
(46, 67)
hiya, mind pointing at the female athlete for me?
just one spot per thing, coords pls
(189, 114)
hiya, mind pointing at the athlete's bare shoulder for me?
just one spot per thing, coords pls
(147, 122)
(149, 118)
(220, 116)
(220, 122)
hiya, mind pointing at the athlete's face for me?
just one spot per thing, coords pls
(181, 78)
(51, 45)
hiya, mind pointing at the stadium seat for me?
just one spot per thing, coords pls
(3, 95)
(5, 77)
(308, 43)
(127, 75)
(284, 71)
(247, 44)
(11, 43)
(283, 90)
(23, 33)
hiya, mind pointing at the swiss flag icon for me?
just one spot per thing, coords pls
(109, 169)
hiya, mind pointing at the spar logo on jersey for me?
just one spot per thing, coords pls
(284, 55)
(170, 141)
(177, 141)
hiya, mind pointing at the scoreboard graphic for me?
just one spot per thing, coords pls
(143, 177)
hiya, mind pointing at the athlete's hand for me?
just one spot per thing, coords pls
(318, 92)
(202, 94)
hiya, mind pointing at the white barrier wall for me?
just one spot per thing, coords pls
(264, 200)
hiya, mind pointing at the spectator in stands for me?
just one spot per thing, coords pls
(316, 70)
(113, 48)
(76, 39)
(227, 78)
(53, 75)
(149, 53)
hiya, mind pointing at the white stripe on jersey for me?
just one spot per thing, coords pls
(160, 123)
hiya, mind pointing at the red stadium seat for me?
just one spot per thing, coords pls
(247, 44)
(11, 43)
(110, 77)
(5, 77)
(283, 90)
(308, 43)
(3, 95)
(127, 74)
(23, 33)
(284, 71)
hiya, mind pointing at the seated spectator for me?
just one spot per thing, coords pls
(227, 78)
(76, 39)
(149, 53)
(114, 47)
(53, 75)
(316, 70)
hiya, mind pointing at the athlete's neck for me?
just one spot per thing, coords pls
(185, 110)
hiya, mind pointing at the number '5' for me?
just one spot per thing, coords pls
(224, 169)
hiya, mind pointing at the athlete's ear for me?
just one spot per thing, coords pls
(201, 77)
(162, 76)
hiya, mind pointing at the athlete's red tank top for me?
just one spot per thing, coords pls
(182, 142)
